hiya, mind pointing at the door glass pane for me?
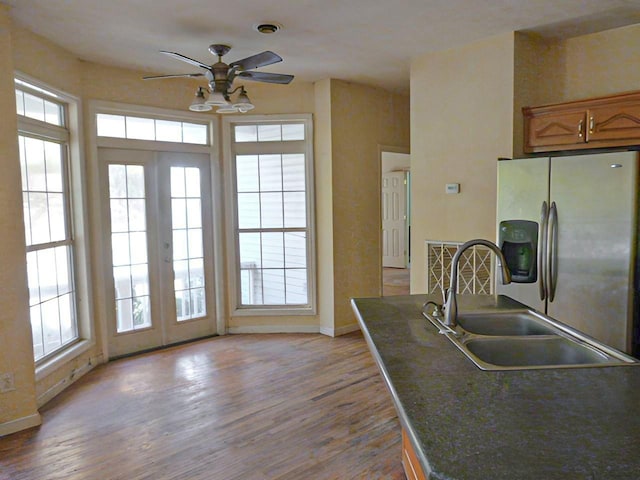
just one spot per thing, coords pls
(129, 247)
(188, 252)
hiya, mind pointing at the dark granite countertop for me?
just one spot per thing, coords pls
(465, 423)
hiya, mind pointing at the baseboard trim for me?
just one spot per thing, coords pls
(73, 375)
(336, 332)
(274, 329)
(19, 424)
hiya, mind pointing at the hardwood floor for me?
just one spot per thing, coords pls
(395, 281)
(265, 407)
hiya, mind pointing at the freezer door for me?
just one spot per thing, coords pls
(523, 186)
(593, 252)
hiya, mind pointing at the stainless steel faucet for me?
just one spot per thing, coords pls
(451, 306)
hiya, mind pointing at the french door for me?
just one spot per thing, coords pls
(158, 248)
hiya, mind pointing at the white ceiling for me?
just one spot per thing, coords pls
(365, 41)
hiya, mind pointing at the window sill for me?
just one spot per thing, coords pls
(52, 364)
(273, 312)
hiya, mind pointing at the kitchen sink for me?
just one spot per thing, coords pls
(525, 339)
(505, 323)
(535, 351)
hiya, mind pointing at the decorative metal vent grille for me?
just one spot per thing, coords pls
(475, 270)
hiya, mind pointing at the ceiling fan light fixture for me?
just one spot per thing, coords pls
(227, 109)
(198, 104)
(216, 97)
(242, 103)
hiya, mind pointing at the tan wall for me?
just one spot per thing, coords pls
(461, 122)
(362, 119)
(16, 352)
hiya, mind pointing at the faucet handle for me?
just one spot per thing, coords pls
(437, 309)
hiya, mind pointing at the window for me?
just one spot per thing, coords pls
(142, 128)
(272, 202)
(44, 161)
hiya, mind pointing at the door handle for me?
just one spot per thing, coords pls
(542, 250)
(552, 251)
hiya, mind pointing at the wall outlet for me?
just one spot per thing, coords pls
(7, 382)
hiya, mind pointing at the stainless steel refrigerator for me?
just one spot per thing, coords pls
(583, 261)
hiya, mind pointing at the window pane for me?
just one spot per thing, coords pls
(68, 329)
(39, 218)
(248, 210)
(192, 182)
(53, 161)
(181, 274)
(295, 213)
(52, 113)
(135, 181)
(295, 249)
(194, 213)
(180, 251)
(33, 107)
(251, 286)
(122, 281)
(246, 133)
(36, 173)
(140, 128)
(57, 225)
(177, 182)
(120, 249)
(296, 285)
(110, 125)
(272, 250)
(117, 181)
(194, 133)
(247, 177)
(168, 131)
(273, 287)
(270, 173)
(271, 210)
(179, 213)
(195, 242)
(138, 245)
(293, 174)
(137, 215)
(250, 256)
(293, 131)
(269, 133)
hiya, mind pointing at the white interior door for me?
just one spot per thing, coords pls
(158, 248)
(394, 217)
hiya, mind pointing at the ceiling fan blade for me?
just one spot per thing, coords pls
(267, 77)
(190, 75)
(186, 59)
(255, 61)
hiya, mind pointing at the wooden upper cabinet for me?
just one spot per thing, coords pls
(614, 122)
(603, 122)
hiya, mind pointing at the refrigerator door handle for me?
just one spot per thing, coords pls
(542, 250)
(552, 251)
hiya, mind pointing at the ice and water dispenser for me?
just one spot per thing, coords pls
(518, 240)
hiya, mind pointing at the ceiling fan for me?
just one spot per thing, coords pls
(221, 75)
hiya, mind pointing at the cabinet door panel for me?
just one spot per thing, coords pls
(614, 122)
(555, 129)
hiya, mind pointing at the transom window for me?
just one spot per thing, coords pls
(272, 209)
(143, 128)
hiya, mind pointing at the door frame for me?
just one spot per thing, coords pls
(97, 226)
(390, 149)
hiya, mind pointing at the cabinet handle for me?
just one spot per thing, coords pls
(580, 128)
(591, 124)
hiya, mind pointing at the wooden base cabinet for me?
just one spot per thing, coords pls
(604, 122)
(412, 468)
